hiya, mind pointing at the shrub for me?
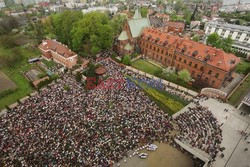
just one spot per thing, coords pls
(126, 60)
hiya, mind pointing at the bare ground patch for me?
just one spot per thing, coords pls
(6, 83)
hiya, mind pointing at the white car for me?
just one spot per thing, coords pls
(151, 148)
(143, 155)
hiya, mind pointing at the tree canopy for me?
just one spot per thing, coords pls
(184, 75)
(220, 43)
(93, 33)
(62, 23)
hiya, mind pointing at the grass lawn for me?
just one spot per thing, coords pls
(146, 66)
(240, 92)
(243, 65)
(15, 74)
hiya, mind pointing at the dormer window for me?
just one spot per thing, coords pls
(207, 58)
(157, 40)
(184, 49)
(195, 53)
(165, 43)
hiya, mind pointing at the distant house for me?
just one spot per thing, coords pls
(58, 52)
(175, 27)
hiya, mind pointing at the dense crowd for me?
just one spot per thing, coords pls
(200, 129)
(75, 127)
(68, 126)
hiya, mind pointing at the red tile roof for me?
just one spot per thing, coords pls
(214, 57)
(176, 24)
(57, 47)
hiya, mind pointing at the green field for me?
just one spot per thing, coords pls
(15, 74)
(240, 92)
(146, 66)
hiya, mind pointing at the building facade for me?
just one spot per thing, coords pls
(205, 64)
(240, 34)
(58, 52)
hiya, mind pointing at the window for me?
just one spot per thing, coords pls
(185, 61)
(161, 51)
(206, 79)
(213, 82)
(209, 72)
(160, 58)
(202, 68)
(180, 59)
(217, 75)
(150, 46)
(154, 48)
(190, 63)
(196, 65)
(158, 50)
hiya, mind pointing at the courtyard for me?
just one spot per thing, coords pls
(240, 92)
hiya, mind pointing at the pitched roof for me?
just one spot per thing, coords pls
(137, 14)
(212, 56)
(123, 36)
(57, 47)
(128, 47)
(136, 26)
(176, 24)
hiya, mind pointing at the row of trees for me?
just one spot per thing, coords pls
(89, 33)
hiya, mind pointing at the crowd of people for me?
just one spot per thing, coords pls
(200, 129)
(69, 126)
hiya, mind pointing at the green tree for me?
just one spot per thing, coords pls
(214, 40)
(92, 33)
(227, 44)
(184, 75)
(178, 6)
(62, 23)
(187, 15)
(126, 60)
(196, 38)
(144, 12)
(117, 23)
(78, 77)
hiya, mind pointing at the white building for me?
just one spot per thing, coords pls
(240, 34)
(2, 4)
(112, 10)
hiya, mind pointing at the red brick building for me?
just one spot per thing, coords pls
(58, 52)
(205, 63)
(175, 27)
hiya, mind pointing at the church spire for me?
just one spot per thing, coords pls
(137, 14)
